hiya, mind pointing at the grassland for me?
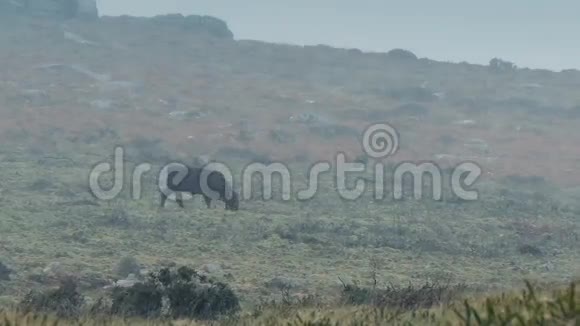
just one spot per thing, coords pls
(234, 100)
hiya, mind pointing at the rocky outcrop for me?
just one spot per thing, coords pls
(197, 24)
(211, 25)
(62, 9)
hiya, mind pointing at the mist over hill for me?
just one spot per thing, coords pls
(179, 73)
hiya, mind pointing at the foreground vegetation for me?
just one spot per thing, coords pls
(533, 306)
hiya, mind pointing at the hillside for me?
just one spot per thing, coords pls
(176, 88)
(135, 72)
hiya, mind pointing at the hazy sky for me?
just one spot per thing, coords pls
(531, 33)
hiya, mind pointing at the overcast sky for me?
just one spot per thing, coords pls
(531, 33)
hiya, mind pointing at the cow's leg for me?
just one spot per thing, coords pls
(179, 200)
(207, 201)
(163, 199)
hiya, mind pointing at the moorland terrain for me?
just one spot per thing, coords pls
(173, 88)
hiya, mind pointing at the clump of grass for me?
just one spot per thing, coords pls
(529, 308)
(411, 297)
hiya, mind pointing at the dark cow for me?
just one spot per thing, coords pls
(192, 183)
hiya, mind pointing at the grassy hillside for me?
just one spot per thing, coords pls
(70, 93)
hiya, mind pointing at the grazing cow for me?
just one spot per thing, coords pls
(192, 183)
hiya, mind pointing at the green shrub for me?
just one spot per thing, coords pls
(65, 301)
(127, 265)
(142, 300)
(186, 293)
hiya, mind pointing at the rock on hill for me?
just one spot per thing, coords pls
(191, 23)
(56, 9)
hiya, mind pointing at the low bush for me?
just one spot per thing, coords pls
(127, 265)
(140, 300)
(180, 293)
(168, 292)
(64, 302)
